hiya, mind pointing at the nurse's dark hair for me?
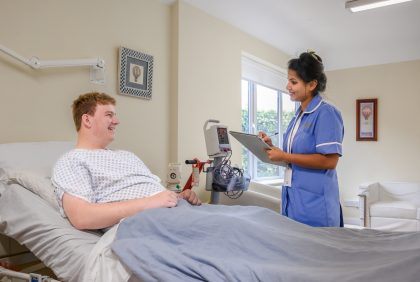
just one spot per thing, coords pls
(309, 67)
(86, 104)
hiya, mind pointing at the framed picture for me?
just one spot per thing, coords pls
(136, 72)
(367, 120)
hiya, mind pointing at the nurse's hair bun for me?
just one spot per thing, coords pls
(314, 55)
(309, 67)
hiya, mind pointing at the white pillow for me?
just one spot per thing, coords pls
(37, 184)
(30, 165)
(35, 157)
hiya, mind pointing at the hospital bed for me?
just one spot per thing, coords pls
(208, 243)
(29, 214)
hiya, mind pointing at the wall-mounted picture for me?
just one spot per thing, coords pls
(136, 71)
(367, 120)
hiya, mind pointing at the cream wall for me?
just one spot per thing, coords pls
(35, 105)
(209, 79)
(208, 73)
(197, 71)
(396, 154)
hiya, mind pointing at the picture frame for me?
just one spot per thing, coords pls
(135, 73)
(367, 119)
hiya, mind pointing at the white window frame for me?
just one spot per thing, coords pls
(258, 71)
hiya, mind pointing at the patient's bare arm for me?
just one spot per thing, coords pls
(85, 215)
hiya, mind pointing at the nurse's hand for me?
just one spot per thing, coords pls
(276, 154)
(265, 138)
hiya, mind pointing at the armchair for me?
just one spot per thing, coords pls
(392, 206)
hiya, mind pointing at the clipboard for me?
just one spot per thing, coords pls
(256, 146)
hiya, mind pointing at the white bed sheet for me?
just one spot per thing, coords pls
(103, 264)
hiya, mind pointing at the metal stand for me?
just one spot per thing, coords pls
(214, 197)
(215, 191)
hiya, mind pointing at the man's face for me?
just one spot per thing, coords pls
(104, 123)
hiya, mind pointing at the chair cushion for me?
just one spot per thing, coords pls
(393, 224)
(394, 209)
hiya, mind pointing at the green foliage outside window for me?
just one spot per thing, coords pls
(267, 122)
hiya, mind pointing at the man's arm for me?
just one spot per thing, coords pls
(85, 215)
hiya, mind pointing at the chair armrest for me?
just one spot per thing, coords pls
(371, 191)
(368, 194)
(362, 210)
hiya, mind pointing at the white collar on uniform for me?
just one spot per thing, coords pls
(313, 105)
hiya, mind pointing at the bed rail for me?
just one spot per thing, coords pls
(30, 277)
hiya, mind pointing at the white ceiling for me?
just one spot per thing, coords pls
(343, 39)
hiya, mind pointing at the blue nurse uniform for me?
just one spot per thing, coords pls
(313, 197)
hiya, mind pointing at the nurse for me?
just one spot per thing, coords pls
(312, 145)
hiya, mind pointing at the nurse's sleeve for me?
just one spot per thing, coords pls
(329, 131)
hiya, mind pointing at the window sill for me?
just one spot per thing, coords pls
(277, 182)
(270, 187)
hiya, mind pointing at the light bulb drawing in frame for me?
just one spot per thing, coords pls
(136, 74)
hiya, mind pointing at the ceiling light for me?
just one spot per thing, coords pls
(361, 5)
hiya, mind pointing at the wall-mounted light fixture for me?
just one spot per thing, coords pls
(361, 5)
(97, 65)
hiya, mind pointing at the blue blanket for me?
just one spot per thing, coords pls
(237, 243)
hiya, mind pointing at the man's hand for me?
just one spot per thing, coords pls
(165, 199)
(190, 196)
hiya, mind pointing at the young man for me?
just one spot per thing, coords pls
(97, 187)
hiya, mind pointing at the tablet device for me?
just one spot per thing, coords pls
(255, 145)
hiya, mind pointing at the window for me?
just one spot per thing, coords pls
(265, 107)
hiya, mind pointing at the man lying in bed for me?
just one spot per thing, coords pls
(97, 187)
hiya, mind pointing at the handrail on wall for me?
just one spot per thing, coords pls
(97, 70)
